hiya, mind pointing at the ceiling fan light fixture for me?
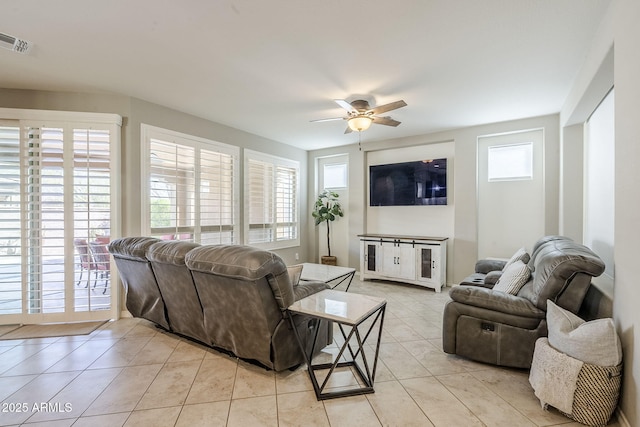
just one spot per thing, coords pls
(360, 123)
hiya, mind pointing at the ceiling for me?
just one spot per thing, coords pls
(269, 67)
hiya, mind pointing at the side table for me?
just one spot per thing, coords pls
(349, 311)
(330, 274)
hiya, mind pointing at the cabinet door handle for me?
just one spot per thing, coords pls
(433, 264)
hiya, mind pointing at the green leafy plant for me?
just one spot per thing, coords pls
(326, 209)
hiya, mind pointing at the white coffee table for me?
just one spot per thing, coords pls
(328, 274)
(349, 311)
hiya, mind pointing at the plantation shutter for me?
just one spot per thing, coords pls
(56, 216)
(286, 203)
(261, 218)
(271, 200)
(192, 187)
(10, 220)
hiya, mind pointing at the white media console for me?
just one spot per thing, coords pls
(410, 259)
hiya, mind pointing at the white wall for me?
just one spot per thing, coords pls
(599, 184)
(615, 51)
(462, 247)
(430, 221)
(627, 231)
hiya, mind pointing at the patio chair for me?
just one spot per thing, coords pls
(85, 258)
(102, 263)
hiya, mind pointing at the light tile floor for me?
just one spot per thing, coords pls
(128, 373)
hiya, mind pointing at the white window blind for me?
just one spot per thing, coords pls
(335, 175)
(56, 217)
(271, 201)
(510, 162)
(192, 187)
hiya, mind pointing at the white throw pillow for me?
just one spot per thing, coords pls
(595, 342)
(520, 255)
(513, 278)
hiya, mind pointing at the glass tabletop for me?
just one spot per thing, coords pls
(324, 273)
(343, 307)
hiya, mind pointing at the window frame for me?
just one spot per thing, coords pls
(149, 132)
(276, 162)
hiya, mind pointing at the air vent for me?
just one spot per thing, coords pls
(14, 44)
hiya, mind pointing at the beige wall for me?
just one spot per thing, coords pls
(135, 112)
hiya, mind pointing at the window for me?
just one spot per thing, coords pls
(335, 175)
(271, 201)
(192, 189)
(59, 179)
(510, 162)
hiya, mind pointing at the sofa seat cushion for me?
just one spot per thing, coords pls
(497, 301)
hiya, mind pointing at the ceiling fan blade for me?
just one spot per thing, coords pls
(388, 107)
(387, 121)
(348, 130)
(328, 120)
(344, 104)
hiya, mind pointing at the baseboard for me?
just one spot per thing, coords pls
(622, 420)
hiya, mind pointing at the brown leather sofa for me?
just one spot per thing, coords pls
(495, 327)
(230, 297)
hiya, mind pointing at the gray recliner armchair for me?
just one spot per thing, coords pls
(492, 326)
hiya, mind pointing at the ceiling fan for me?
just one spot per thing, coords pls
(360, 115)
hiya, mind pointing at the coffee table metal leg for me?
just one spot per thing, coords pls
(367, 377)
(349, 276)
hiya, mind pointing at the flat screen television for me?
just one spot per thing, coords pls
(422, 182)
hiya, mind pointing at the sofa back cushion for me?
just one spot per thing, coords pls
(178, 290)
(561, 271)
(143, 298)
(244, 263)
(132, 248)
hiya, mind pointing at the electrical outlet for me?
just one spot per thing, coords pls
(297, 257)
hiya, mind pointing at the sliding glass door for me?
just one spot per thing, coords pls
(57, 211)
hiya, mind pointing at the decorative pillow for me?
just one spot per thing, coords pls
(295, 271)
(520, 255)
(513, 278)
(595, 342)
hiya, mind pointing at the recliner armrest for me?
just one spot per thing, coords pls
(487, 265)
(306, 288)
(496, 301)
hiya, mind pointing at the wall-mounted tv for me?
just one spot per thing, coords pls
(421, 182)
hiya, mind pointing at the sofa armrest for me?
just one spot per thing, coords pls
(491, 278)
(487, 265)
(496, 301)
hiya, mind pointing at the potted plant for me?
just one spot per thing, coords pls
(326, 209)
